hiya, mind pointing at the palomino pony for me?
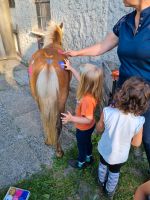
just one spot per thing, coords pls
(49, 84)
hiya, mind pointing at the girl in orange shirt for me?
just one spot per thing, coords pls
(89, 93)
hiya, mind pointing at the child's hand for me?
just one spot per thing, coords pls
(98, 132)
(67, 117)
(67, 65)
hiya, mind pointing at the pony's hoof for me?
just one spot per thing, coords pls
(59, 154)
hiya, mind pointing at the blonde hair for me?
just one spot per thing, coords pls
(91, 82)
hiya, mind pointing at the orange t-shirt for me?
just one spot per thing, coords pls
(86, 108)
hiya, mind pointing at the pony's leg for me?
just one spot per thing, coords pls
(59, 151)
(64, 80)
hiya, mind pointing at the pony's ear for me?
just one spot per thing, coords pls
(61, 25)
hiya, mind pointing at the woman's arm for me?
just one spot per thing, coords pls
(73, 70)
(100, 124)
(110, 41)
(68, 117)
(137, 139)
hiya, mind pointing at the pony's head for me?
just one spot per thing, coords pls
(53, 34)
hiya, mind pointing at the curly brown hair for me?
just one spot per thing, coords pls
(133, 97)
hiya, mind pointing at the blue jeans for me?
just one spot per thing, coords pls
(84, 143)
(146, 134)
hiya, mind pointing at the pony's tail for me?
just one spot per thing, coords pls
(47, 87)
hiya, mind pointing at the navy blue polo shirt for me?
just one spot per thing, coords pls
(134, 48)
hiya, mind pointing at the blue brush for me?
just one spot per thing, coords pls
(61, 63)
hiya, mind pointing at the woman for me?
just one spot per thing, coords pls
(132, 36)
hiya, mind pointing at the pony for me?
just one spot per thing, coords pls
(49, 84)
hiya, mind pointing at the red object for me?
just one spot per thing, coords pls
(115, 74)
(30, 70)
(60, 51)
(18, 193)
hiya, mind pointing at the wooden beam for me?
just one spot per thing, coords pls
(6, 29)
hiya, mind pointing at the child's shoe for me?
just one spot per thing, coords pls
(89, 160)
(101, 186)
(76, 164)
(111, 184)
(110, 195)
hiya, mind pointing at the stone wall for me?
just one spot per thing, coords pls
(85, 23)
(116, 10)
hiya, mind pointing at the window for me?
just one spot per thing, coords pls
(43, 13)
(11, 3)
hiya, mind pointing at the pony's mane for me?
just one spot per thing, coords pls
(49, 34)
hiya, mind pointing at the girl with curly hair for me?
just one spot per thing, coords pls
(123, 127)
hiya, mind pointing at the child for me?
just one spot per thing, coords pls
(122, 126)
(89, 93)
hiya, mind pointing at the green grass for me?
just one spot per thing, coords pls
(64, 183)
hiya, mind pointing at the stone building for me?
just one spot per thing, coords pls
(86, 22)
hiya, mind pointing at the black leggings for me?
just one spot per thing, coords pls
(112, 168)
(84, 143)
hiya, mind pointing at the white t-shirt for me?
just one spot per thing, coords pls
(120, 128)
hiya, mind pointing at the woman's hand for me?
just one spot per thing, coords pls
(71, 53)
(68, 65)
(67, 117)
